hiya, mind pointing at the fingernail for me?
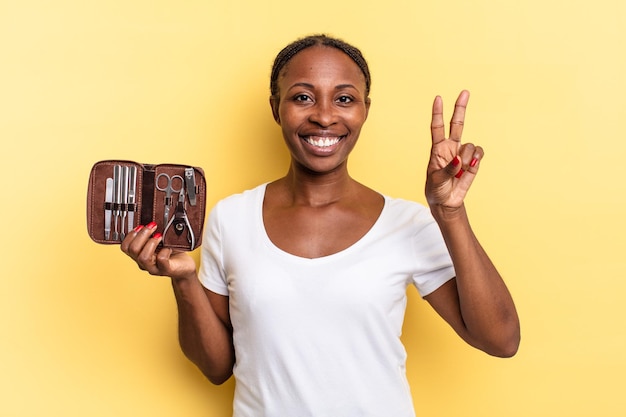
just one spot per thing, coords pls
(138, 228)
(458, 174)
(474, 162)
(157, 235)
(151, 225)
(456, 161)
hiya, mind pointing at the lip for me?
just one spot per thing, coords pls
(322, 143)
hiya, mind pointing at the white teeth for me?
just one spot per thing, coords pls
(322, 142)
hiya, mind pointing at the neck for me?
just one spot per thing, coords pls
(318, 190)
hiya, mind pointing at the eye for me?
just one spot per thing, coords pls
(345, 99)
(302, 98)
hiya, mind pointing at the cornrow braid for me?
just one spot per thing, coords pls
(285, 55)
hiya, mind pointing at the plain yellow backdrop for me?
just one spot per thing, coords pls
(83, 332)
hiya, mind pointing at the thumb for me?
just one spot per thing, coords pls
(454, 169)
(163, 259)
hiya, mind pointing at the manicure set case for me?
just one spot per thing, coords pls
(124, 194)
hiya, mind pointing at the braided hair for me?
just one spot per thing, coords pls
(293, 48)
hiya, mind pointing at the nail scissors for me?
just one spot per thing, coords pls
(168, 189)
(180, 220)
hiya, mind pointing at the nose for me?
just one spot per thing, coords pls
(323, 113)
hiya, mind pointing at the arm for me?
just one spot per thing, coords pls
(205, 333)
(477, 303)
(204, 329)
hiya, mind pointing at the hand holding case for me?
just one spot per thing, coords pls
(124, 194)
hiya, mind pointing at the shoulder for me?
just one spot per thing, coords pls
(412, 217)
(236, 207)
(402, 207)
(243, 199)
(236, 214)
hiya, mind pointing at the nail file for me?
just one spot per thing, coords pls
(117, 199)
(108, 200)
(124, 201)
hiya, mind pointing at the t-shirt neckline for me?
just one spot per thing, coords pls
(281, 252)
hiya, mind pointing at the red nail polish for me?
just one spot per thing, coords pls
(157, 235)
(458, 174)
(474, 162)
(456, 161)
(138, 228)
(151, 225)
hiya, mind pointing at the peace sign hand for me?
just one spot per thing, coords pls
(452, 166)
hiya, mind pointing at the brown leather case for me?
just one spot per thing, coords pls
(113, 214)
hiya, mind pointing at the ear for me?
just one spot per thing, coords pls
(274, 104)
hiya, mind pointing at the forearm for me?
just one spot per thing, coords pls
(486, 307)
(204, 338)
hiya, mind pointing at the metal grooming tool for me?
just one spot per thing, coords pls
(117, 199)
(180, 220)
(190, 182)
(132, 186)
(124, 201)
(168, 189)
(108, 200)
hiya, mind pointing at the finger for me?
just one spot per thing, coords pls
(147, 258)
(437, 127)
(138, 238)
(458, 117)
(461, 162)
(455, 167)
(128, 240)
(470, 157)
(476, 157)
(466, 153)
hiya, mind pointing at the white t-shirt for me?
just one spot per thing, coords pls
(321, 337)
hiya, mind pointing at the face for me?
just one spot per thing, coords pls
(321, 108)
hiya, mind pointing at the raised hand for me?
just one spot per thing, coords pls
(452, 166)
(142, 246)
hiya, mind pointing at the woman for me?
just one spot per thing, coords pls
(302, 288)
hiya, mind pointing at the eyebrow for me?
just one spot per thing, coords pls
(311, 86)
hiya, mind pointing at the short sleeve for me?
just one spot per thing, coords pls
(212, 274)
(435, 266)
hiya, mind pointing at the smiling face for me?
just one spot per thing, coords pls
(321, 106)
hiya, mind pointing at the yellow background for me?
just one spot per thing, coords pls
(83, 332)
